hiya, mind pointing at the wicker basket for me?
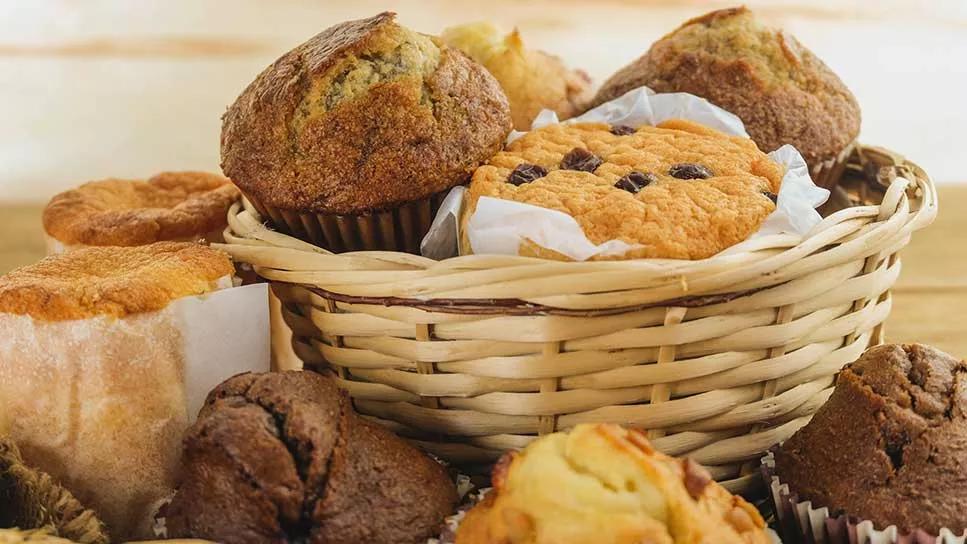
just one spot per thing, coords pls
(720, 359)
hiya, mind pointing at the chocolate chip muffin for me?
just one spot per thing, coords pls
(782, 92)
(679, 190)
(890, 445)
(281, 457)
(533, 80)
(350, 139)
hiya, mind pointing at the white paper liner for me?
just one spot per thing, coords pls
(499, 226)
(812, 525)
(101, 403)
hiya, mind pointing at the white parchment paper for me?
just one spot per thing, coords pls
(225, 333)
(101, 404)
(499, 226)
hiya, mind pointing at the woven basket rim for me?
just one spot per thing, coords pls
(480, 284)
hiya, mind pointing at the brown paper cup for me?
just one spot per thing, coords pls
(801, 523)
(398, 229)
(827, 173)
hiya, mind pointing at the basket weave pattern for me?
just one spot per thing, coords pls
(720, 359)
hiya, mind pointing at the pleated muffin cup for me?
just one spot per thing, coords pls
(396, 229)
(799, 522)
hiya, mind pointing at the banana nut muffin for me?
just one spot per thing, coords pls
(782, 92)
(365, 116)
(532, 79)
(170, 206)
(890, 445)
(679, 190)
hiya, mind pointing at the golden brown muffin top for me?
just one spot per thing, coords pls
(782, 92)
(112, 281)
(604, 483)
(123, 212)
(366, 115)
(533, 80)
(680, 190)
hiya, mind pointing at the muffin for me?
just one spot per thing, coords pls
(171, 206)
(603, 484)
(352, 139)
(533, 80)
(679, 190)
(782, 92)
(281, 457)
(93, 370)
(890, 445)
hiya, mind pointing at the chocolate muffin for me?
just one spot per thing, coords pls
(366, 117)
(890, 445)
(281, 457)
(782, 92)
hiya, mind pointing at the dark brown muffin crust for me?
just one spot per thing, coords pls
(367, 115)
(890, 445)
(281, 457)
(782, 92)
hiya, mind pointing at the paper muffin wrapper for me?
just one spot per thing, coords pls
(799, 522)
(827, 173)
(397, 229)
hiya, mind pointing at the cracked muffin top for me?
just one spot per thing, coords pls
(782, 92)
(365, 116)
(679, 190)
(281, 457)
(890, 445)
(604, 484)
(170, 206)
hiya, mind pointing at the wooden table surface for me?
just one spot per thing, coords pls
(930, 300)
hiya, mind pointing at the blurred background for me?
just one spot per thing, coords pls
(98, 88)
(91, 89)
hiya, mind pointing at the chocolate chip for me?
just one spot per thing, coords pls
(581, 159)
(696, 478)
(688, 170)
(772, 196)
(635, 181)
(622, 130)
(526, 173)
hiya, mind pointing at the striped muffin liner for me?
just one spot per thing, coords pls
(827, 173)
(397, 229)
(799, 522)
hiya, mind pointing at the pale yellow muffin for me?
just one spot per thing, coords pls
(603, 484)
(533, 80)
(679, 190)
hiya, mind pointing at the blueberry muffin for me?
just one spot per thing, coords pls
(782, 92)
(170, 206)
(679, 190)
(602, 484)
(365, 118)
(533, 80)
(898, 421)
